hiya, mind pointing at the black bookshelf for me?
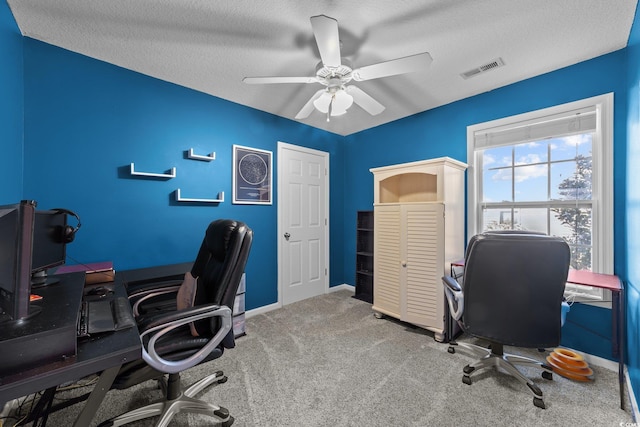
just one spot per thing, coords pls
(364, 256)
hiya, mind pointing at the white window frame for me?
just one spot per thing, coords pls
(602, 179)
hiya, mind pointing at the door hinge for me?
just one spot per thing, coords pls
(325, 271)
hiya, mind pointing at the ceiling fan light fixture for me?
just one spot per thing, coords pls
(341, 102)
(322, 103)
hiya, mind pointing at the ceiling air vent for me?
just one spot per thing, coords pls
(496, 63)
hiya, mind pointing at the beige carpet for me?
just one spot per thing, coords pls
(328, 361)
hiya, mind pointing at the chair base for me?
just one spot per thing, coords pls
(495, 356)
(184, 402)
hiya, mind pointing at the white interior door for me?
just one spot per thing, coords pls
(302, 222)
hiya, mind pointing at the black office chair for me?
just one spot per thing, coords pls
(511, 295)
(176, 340)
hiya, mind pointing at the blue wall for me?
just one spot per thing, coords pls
(11, 107)
(442, 132)
(633, 207)
(86, 121)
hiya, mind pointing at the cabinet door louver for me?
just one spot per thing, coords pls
(386, 288)
(424, 264)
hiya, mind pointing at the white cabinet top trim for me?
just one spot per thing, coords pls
(401, 168)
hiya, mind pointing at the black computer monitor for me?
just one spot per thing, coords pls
(49, 245)
(16, 239)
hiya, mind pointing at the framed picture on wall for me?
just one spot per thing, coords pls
(252, 176)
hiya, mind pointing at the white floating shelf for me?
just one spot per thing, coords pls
(206, 158)
(179, 198)
(171, 173)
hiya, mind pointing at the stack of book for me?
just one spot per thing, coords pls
(96, 272)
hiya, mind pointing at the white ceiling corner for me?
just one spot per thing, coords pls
(210, 46)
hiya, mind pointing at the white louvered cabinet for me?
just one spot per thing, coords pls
(418, 232)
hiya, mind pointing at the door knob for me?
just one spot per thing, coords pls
(287, 235)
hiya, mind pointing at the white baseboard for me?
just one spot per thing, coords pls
(601, 362)
(343, 287)
(262, 310)
(635, 413)
(277, 305)
(613, 366)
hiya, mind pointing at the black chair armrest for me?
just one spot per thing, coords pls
(150, 293)
(455, 296)
(152, 320)
(152, 329)
(150, 285)
(451, 283)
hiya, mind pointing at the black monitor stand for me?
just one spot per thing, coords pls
(33, 310)
(41, 279)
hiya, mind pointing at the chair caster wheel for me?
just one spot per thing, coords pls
(547, 375)
(228, 423)
(539, 403)
(466, 379)
(451, 350)
(222, 380)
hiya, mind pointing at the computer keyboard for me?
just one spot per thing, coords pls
(104, 316)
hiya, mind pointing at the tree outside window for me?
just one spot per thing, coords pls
(577, 220)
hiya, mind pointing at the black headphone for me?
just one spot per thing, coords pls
(68, 233)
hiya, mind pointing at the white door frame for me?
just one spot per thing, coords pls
(285, 146)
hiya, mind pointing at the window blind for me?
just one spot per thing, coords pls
(569, 123)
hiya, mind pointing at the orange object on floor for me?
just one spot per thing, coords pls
(570, 364)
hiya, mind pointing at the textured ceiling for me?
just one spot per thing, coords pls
(210, 46)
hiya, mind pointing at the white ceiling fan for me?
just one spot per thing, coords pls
(335, 73)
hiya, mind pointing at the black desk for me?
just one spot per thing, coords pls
(103, 354)
(141, 276)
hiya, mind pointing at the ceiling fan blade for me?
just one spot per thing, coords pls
(309, 107)
(325, 30)
(268, 80)
(408, 64)
(367, 103)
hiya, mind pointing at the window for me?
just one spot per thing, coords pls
(549, 171)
